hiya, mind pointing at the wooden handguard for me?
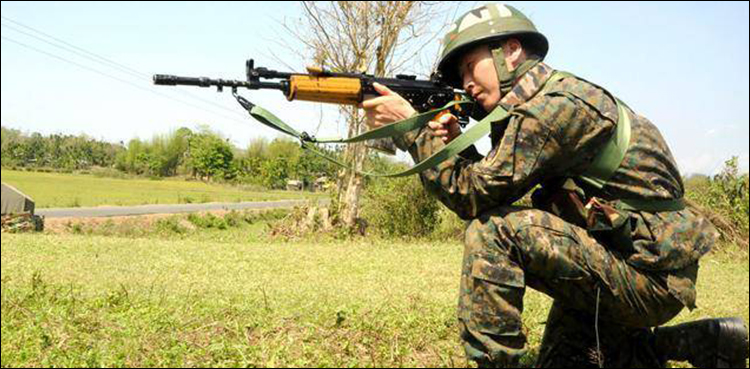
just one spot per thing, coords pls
(337, 90)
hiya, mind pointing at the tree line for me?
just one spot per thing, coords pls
(65, 152)
(201, 153)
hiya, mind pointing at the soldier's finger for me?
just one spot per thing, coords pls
(382, 90)
(382, 119)
(373, 103)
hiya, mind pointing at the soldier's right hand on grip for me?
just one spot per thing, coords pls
(446, 126)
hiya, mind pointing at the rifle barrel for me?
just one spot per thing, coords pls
(170, 80)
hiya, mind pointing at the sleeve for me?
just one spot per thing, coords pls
(554, 135)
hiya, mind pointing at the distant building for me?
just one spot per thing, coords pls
(322, 184)
(294, 185)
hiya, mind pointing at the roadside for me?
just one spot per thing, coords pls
(60, 190)
(113, 211)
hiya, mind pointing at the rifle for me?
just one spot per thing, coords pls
(320, 85)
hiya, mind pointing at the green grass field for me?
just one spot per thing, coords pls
(52, 190)
(73, 300)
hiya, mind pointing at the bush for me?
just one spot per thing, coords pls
(208, 221)
(400, 207)
(170, 225)
(724, 200)
(450, 226)
(101, 172)
(234, 219)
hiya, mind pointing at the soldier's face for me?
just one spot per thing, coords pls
(477, 71)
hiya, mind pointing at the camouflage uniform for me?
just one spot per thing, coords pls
(639, 280)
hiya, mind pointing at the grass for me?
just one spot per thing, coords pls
(87, 300)
(214, 227)
(50, 190)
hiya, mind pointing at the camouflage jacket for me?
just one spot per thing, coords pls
(556, 134)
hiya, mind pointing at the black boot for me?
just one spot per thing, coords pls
(710, 343)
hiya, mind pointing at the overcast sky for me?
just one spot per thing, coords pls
(684, 65)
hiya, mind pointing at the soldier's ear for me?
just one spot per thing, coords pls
(512, 47)
(514, 53)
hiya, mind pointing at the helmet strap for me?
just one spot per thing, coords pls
(506, 77)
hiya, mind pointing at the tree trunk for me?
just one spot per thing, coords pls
(351, 183)
(357, 36)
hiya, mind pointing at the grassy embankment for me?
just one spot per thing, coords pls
(53, 190)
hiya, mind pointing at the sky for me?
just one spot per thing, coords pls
(683, 65)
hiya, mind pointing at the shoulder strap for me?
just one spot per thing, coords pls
(609, 159)
(611, 156)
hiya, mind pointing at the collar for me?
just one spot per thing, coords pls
(527, 86)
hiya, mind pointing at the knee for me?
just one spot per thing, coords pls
(506, 222)
(474, 232)
(490, 234)
(522, 219)
(485, 230)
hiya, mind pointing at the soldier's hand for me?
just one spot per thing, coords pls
(446, 127)
(387, 108)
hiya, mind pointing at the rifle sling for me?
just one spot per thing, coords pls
(459, 144)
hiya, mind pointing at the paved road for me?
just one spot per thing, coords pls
(117, 211)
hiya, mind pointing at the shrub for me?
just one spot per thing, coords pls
(450, 226)
(207, 221)
(170, 225)
(400, 207)
(724, 200)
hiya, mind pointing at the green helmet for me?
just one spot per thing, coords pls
(492, 22)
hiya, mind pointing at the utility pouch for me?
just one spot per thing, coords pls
(610, 226)
(605, 221)
(564, 199)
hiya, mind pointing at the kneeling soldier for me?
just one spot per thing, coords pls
(609, 237)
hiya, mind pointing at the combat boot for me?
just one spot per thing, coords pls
(709, 343)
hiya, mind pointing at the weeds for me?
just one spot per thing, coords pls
(724, 200)
(235, 223)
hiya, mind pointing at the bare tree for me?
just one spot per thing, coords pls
(375, 37)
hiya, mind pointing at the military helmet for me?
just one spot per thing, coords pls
(488, 23)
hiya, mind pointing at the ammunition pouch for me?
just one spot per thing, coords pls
(604, 221)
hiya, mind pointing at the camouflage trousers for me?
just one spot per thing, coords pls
(511, 248)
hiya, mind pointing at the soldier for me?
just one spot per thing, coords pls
(608, 238)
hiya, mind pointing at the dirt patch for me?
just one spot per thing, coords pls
(69, 225)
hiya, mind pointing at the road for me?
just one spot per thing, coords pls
(118, 211)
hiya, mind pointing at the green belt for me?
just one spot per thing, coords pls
(651, 206)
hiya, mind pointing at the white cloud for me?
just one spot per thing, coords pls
(705, 163)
